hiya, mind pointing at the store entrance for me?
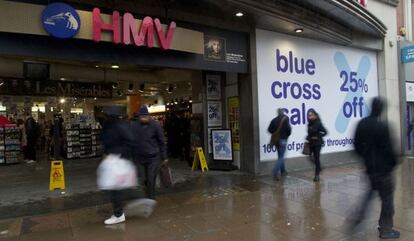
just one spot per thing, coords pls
(409, 149)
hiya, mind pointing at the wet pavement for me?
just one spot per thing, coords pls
(234, 206)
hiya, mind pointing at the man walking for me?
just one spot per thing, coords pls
(150, 149)
(280, 129)
(373, 143)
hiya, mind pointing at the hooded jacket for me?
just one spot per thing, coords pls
(373, 142)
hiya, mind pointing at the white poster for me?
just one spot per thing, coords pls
(409, 91)
(299, 75)
(222, 145)
(214, 113)
(213, 87)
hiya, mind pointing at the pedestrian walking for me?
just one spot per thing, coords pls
(374, 145)
(150, 149)
(117, 139)
(280, 129)
(316, 132)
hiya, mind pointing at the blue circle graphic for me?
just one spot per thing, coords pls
(61, 20)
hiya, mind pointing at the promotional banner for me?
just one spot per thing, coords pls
(299, 75)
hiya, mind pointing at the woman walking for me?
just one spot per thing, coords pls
(316, 132)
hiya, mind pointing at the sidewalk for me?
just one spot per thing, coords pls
(234, 207)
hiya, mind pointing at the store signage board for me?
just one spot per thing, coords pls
(62, 21)
(14, 86)
(407, 54)
(362, 2)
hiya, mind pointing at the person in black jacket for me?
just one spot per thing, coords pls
(150, 149)
(316, 132)
(373, 144)
(281, 125)
(116, 139)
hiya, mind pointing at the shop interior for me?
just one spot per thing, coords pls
(168, 93)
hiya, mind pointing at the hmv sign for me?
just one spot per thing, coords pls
(62, 21)
(362, 2)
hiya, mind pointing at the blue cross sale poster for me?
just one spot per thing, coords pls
(299, 75)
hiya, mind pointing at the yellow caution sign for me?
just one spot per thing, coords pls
(199, 158)
(57, 176)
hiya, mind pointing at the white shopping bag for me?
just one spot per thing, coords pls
(116, 173)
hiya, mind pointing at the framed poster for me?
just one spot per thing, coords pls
(214, 48)
(214, 113)
(222, 145)
(210, 139)
(213, 87)
(234, 120)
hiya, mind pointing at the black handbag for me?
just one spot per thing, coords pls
(306, 150)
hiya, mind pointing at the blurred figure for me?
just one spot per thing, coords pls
(281, 128)
(373, 143)
(316, 132)
(32, 133)
(150, 149)
(22, 137)
(116, 139)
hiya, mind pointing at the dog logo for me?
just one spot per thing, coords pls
(61, 20)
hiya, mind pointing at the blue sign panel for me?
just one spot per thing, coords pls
(61, 20)
(407, 54)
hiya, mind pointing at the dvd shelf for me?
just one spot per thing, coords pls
(10, 151)
(83, 142)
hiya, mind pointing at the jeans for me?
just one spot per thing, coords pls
(280, 163)
(385, 186)
(116, 200)
(315, 153)
(147, 176)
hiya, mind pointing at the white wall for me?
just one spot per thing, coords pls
(388, 66)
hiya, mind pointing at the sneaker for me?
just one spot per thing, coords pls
(114, 220)
(392, 234)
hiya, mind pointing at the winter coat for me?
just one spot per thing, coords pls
(285, 129)
(150, 144)
(117, 138)
(316, 132)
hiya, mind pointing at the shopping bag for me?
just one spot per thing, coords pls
(165, 176)
(116, 173)
(306, 150)
(142, 207)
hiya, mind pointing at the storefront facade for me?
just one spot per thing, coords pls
(263, 62)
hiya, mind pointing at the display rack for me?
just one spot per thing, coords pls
(72, 142)
(11, 144)
(83, 142)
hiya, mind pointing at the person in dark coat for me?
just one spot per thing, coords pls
(117, 139)
(373, 144)
(280, 124)
(150, 149)
(316, 132)
(32, 133)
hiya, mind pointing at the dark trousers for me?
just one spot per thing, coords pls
(384, 185)
(315, 155)
(116, 200)
(147, 176)
(31, 149)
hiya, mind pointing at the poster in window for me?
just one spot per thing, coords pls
(234, 121)
(214, 113)
(210, 139)
(213, 87)
(214, 48)
(222, 145)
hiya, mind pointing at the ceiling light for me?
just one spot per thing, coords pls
(62, 100)
(96, 66)
(115, 66)
(62, 78)
(114, 85)
(119, 93)
(170, 89)
(1, 82)
(239, 14)
(299, 30)
(95, 98)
